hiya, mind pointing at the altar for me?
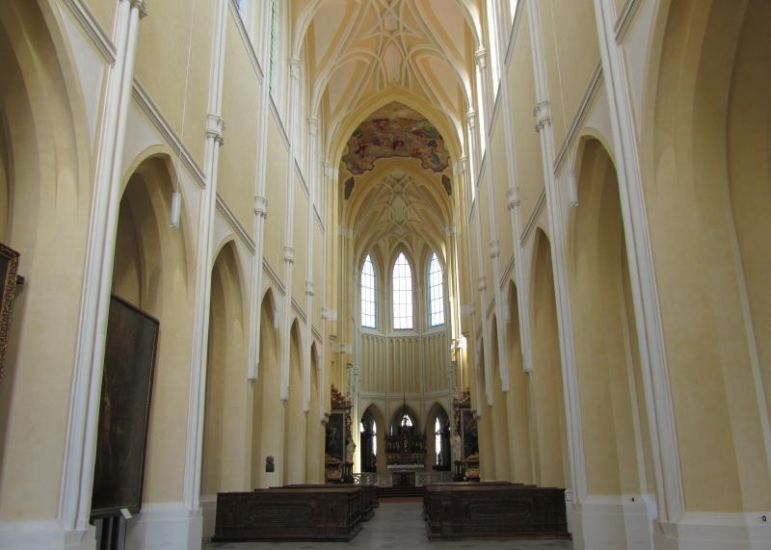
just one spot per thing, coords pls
(403, 475)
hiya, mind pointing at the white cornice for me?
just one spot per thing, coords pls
(246, 41)
(99, 38)
(235, 225)
(534, 215)
(162, 125)
(268, 269)
(625, 19)
(580, 116)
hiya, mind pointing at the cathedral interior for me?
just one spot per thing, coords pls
(260, 243)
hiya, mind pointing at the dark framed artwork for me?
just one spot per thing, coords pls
(335, 444)
(129, 361)
(469, 433)
(9, 264)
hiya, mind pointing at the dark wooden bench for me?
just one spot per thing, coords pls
(368, 495)
(494, 510)
(289, 514)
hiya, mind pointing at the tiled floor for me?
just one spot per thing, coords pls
(401, 527)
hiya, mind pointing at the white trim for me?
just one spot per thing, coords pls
(165, 526)
(235, 224)
(268, 269)
(580, 117)
(246, 40)
(44, 535)
(614, 521)
(625, 19)
(535, 214)
(154, 114)
(100, 39)
(715, 531)
(279, 121)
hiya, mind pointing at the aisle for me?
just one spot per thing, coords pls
(398, 526)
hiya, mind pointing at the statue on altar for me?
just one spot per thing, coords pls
(350, 450)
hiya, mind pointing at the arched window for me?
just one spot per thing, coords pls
(435, 292)
(368, 304)
(438, 441)
(402, 293)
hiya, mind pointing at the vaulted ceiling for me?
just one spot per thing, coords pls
(356, 49)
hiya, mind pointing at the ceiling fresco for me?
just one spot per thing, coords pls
(395, 131)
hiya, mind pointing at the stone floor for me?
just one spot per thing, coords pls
(398, 526)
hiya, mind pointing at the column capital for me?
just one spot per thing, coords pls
(140, 6)
(288, 254)
(512, 197)
(313, 125)
(482, 283)
(215, 128)
(261, 206)
(309, 288)
(295, 65)
(495, 248)
(481, 57)
(542, 114)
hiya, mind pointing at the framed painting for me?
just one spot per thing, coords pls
(9, 264)
(129, 362)
(469, 433)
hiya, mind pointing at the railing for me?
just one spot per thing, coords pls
(386, 479)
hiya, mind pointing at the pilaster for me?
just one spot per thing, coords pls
(80, 451)
(214, 131)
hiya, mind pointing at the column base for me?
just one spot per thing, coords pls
(614, 522)
(165, 526)
(715, 531)
(44, 535)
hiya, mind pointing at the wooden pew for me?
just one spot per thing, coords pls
(289, 514)
(494, 510)
(368, 495)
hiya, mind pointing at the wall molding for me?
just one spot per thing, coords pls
(580, 117)
(247, 41)
(236, 225)
(279, 121)
(532, 221)
(299, 310)
(506, 275)
(625, 19)
(512, 39)
(150, 109)
(277, 282)
(91, 27)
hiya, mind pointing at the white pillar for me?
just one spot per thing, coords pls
(80, 452)
(642, 275)
(201, 303)
(501, 309)
(289, 252)
(260, 209)
(557, 230)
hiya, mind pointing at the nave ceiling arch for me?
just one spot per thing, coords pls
(363, 55)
